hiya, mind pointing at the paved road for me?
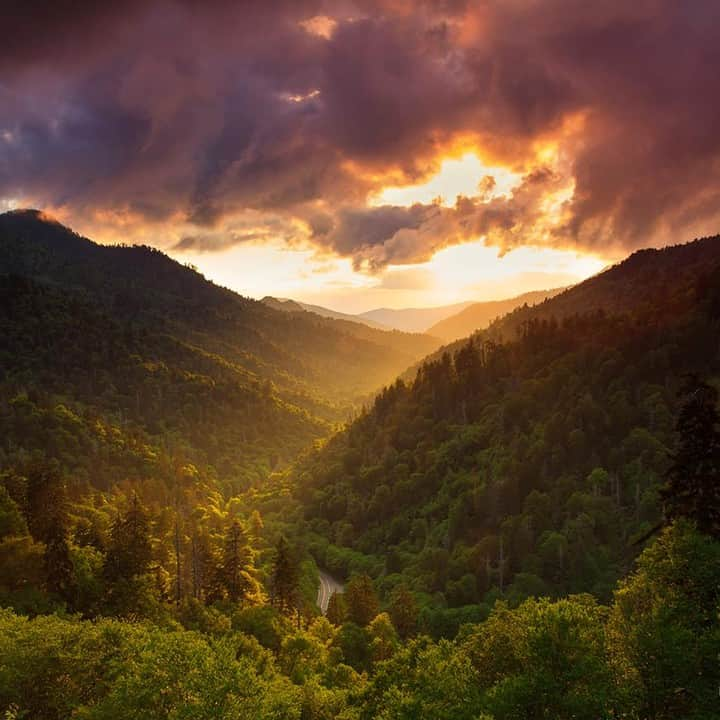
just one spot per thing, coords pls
(328, 586)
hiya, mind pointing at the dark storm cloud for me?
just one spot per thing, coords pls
(202, 111)
(238, 232)
(362, 228)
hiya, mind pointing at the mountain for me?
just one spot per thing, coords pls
(479, 315)
(412, 319)
(152, 564)
(109, 351)
(525, 460)
(642, 282)
(296, 306)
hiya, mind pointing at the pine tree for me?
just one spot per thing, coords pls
(235, 572)
(45, 500)
(336, 609)
(361, 599)
(47, 515)
(693, 480)
(59, 570)
(129, 552)
(403, 612)
(285, 581)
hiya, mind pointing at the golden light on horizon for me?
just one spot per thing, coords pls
(474, 263)
(471, 271)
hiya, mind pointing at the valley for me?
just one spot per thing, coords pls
(359, 360)
(175, 453)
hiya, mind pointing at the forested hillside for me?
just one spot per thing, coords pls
(529, 466)
(646, 283)
(333, 361)
(114, 351)
(166, 492)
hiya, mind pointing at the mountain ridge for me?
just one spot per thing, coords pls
(524, 460)
(480, 314)
(290, 305)
(145, 281)
(127, 337)
(413, 319)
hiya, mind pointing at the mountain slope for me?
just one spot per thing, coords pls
(645, 282)
(479, 315)
(524, 466)
(296, 306)
(413, 319)
(302, 354)
(118, 362)
(112, 399)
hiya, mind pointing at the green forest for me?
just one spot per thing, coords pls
(526, 522)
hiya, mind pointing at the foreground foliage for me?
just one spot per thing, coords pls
(652, 654)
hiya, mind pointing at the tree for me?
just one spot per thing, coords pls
(354, 643)
(693, 480)
(59, 570)
(129, 553)
(256, 525)
(544, 660)
(383, 637)
(235, 571)
(11, 520)
(403, 612)
(285, 580)
(46, 500)
(336, 609)
(361, 599)
(48, 522)
(664, 629)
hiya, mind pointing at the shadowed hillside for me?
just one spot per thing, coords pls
(526, 460)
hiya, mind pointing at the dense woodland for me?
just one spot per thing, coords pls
(528, 528)
(528, 467)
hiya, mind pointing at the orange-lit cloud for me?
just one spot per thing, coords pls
(377, 134)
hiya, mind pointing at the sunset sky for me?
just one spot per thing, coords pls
(359, 154)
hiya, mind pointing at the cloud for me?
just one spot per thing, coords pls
(250, 228)
(375, 237)
(176, 111)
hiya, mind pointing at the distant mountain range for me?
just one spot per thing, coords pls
(412, 319)
(447, 322)
(288, 305)
(479, 315)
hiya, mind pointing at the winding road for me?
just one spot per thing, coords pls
(328, 586)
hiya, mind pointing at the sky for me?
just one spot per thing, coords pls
(369, 153)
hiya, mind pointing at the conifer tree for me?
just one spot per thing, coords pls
(285, 581)
(59, 570)
(235, 571)
(361, 599)
(336, 609)
(693, 480)
(403, 612)
(47, 517)
(129, 553)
